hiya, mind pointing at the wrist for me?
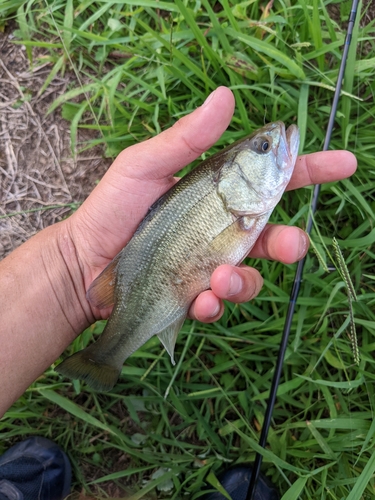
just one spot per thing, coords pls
(43, 308)
(44, 275)
(66, 276)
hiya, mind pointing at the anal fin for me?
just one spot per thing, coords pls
(168, 336)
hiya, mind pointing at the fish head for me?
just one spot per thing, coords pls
(258, 169)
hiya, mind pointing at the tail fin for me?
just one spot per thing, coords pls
(83, 365)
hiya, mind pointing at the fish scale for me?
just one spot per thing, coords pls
(212, 216)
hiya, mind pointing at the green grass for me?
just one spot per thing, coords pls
(167, 431)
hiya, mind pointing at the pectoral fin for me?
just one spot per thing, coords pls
(101, 291)
(168, 336)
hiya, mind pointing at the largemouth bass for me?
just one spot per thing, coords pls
(212, 216)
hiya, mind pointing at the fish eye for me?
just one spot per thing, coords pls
(261, 144)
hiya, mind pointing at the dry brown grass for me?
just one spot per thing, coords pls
(37, 167)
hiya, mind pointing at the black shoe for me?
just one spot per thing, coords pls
(236, 482)
(34, 469)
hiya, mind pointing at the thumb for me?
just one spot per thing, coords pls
(144, 172)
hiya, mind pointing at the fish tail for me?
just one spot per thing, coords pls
(87, 365)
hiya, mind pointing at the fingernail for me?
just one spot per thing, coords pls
(302, 246)
(209, 98)
(215, 311)
(235, 284)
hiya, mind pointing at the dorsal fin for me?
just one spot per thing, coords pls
(101, 292)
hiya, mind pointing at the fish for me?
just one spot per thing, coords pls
(211, 216)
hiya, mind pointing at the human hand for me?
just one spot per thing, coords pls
(143, 172)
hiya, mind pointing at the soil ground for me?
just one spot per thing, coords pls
(38, 169)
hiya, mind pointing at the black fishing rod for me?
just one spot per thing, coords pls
(301, 263)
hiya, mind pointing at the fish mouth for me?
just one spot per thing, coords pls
(291, 138)
(286, 148)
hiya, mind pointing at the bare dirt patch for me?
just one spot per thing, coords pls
(37, 166)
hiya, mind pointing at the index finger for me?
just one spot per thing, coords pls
(324, 166)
